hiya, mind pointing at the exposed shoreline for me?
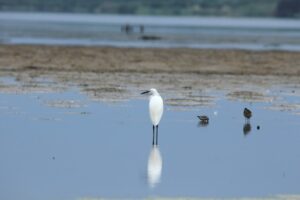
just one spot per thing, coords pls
(148, 60)
(186, 77)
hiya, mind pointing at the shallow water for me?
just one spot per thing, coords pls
(191, 32)
(59, 142)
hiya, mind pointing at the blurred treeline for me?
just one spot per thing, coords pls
(232, 8)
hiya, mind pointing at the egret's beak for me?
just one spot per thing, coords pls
(145, 92)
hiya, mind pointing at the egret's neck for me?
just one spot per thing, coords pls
(154, 95)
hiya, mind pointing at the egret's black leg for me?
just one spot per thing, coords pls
(157, 135)
(153, 135)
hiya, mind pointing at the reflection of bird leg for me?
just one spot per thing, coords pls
(156, 134)
(153, 135)
(247, 128)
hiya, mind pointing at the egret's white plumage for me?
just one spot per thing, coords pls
(156, 107)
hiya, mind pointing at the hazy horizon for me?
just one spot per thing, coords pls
(225, 8)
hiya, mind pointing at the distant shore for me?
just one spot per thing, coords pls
(148, 60)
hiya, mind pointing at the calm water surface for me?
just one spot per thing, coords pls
(63, 145)
(191, 32)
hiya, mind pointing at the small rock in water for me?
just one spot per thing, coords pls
(258, 127)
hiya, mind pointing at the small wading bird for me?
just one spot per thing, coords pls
(156, 108)
(203, 120)
(247, 114)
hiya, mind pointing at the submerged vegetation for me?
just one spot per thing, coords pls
(250, 8)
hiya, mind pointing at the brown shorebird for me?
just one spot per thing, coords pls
(203, 118)
(247, 113)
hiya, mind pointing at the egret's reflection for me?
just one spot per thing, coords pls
(154, 167)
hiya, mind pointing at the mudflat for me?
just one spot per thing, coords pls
(148, 60)
(185, 77)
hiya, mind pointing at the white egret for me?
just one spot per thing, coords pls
(156, 108)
